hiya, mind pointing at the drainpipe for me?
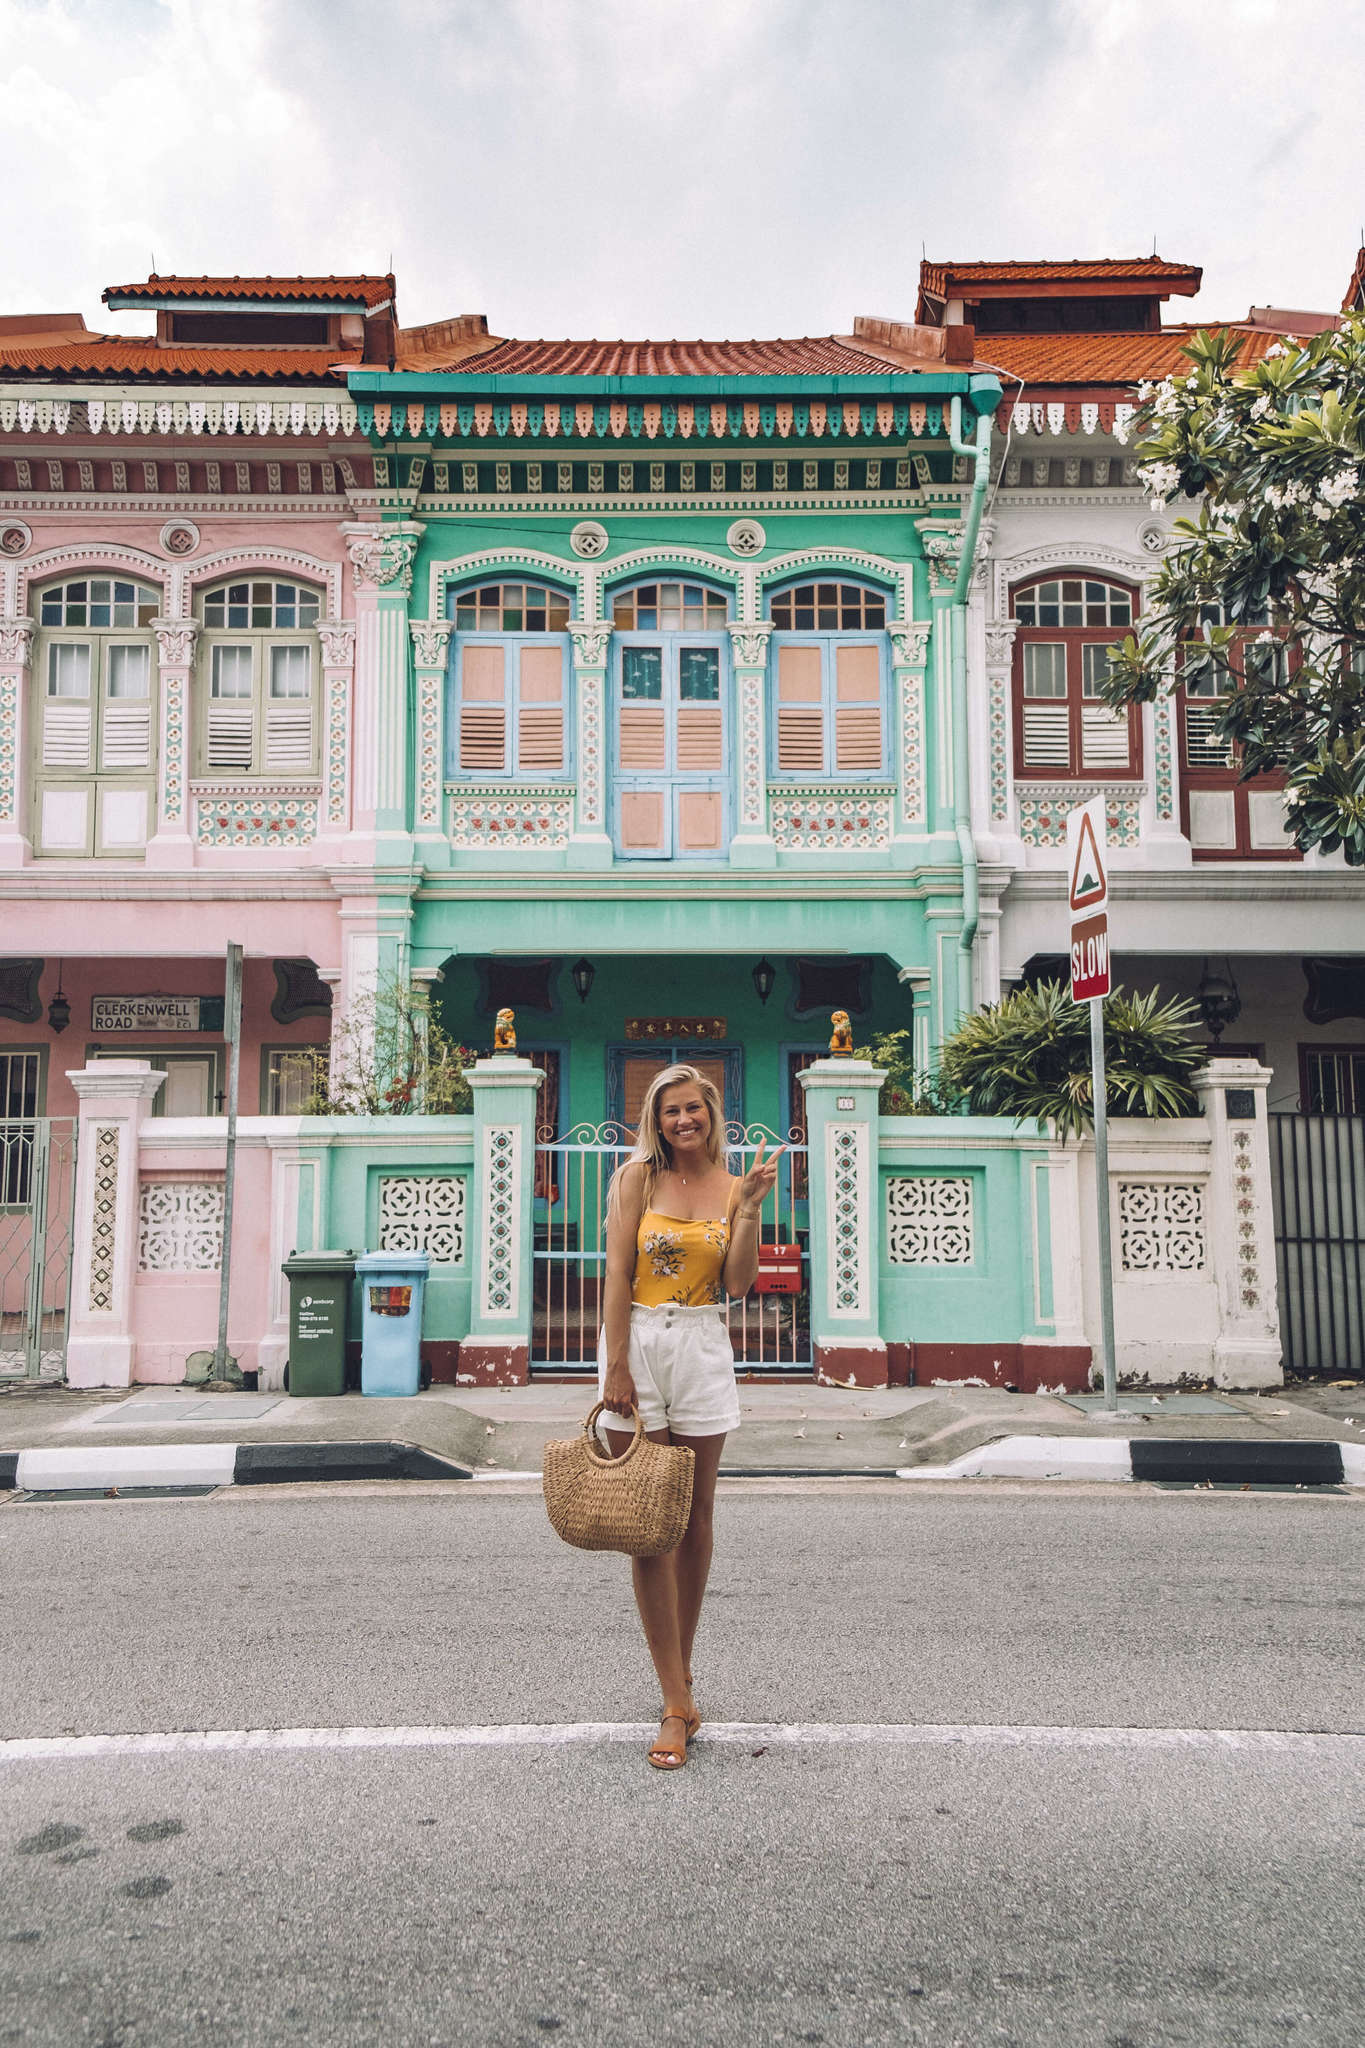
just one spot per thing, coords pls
(962, 792)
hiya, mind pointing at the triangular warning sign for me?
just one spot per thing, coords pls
(1089, 883)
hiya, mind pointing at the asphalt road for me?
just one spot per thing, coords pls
(1004, 1823)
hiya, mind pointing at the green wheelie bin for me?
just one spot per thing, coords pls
(319, 1299)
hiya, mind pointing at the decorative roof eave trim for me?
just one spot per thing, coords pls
(120, 410)
(984, 389)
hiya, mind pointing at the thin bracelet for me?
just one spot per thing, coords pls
(748, 1215)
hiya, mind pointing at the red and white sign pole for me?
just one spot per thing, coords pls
(1088, 897)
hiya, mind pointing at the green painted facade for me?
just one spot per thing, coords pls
(862, 867)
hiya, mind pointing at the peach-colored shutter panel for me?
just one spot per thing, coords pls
(700, 736)
(800, 716)
(699, 820)
(857, 710)
(483, 710)
(643, 738)
(540, 725)
(642, 820)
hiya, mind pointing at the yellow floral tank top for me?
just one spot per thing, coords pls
(679, 1259)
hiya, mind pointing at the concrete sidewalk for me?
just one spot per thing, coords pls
(792, 1428)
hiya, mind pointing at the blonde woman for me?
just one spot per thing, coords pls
(682, 1234)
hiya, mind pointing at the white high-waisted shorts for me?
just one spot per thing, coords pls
(683, 1367)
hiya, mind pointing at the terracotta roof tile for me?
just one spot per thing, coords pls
(819, 355)
(1117, 359)
(110, 355)
(1152, 270)
(367, 291)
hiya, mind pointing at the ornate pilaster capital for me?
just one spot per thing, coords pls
(943, 551)
(1000, 644)
(16, 642)
(590, 643)
(430, 638)
(985, 541)
(338, 642)
(175, 640)
(910, 643)
(751, 644)
(382, 556)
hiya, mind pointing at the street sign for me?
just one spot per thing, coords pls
(1090, 958)
(1088, 901)
(1085, 857)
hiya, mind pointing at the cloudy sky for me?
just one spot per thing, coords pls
(677, 167)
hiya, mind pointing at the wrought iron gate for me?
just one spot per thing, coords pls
(770, 1332)
(1317, 1169)
(37, 1196)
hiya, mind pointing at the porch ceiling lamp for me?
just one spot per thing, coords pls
(765, 975)
(59, 1009)
(584, 974)
(1219, 1002)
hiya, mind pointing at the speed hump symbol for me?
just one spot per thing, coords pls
(1085, 857)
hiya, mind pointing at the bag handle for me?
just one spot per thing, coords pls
(590, 1428)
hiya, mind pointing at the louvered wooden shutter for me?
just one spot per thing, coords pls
(1046, 720)
(66, 708)
(540, 720)
(126, 726)
(289, 711)
(483, 710)
(800, 711)
(857, 709)
(1204, 748)
(228, 737)
(1104, 737)
(700, 737)
(643, 736)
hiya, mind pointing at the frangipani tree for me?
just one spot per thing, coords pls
(1275, 555)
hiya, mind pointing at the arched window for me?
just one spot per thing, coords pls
(1062, 726)
(830, 679)
(510, 679)
(1223, 817)
(95, 716)
(258, 669)
(670, 664)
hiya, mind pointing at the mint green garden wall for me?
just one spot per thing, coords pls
(351, 1156)
(966, 1252)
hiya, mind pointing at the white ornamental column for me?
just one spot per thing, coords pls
(430, 649)
(590, 843)
(16, 647)
(115, 1096)
(337, 639)
(752, 846)
(909, 657)
(171, 844)
(1232, 1095)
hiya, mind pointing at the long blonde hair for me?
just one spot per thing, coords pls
(651, 1148)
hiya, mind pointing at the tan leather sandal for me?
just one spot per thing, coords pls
(662, 1755)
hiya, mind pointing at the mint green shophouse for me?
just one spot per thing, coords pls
(668, 647)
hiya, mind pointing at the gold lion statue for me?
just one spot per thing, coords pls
(841, 1038)
(505, 1032)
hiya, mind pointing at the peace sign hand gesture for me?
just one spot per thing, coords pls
(759, 1181)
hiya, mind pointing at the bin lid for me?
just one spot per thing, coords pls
(319, 1262)
(395, 1263)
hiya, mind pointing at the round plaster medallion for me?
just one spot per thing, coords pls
(746, 537)
(15, 537)
(1153, 539)
(589, 539)
(180, 537)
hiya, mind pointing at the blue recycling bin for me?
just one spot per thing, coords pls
(391, 1288)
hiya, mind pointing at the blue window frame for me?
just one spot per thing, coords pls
(830, 684)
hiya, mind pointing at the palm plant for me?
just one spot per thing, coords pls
(1029, 1056)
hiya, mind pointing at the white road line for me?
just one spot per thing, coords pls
(773, 1734)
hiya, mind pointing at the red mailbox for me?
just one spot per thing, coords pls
(779, 1269)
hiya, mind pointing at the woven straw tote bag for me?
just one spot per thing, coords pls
(638, 1503)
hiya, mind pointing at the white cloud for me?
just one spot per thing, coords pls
(676, 166)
